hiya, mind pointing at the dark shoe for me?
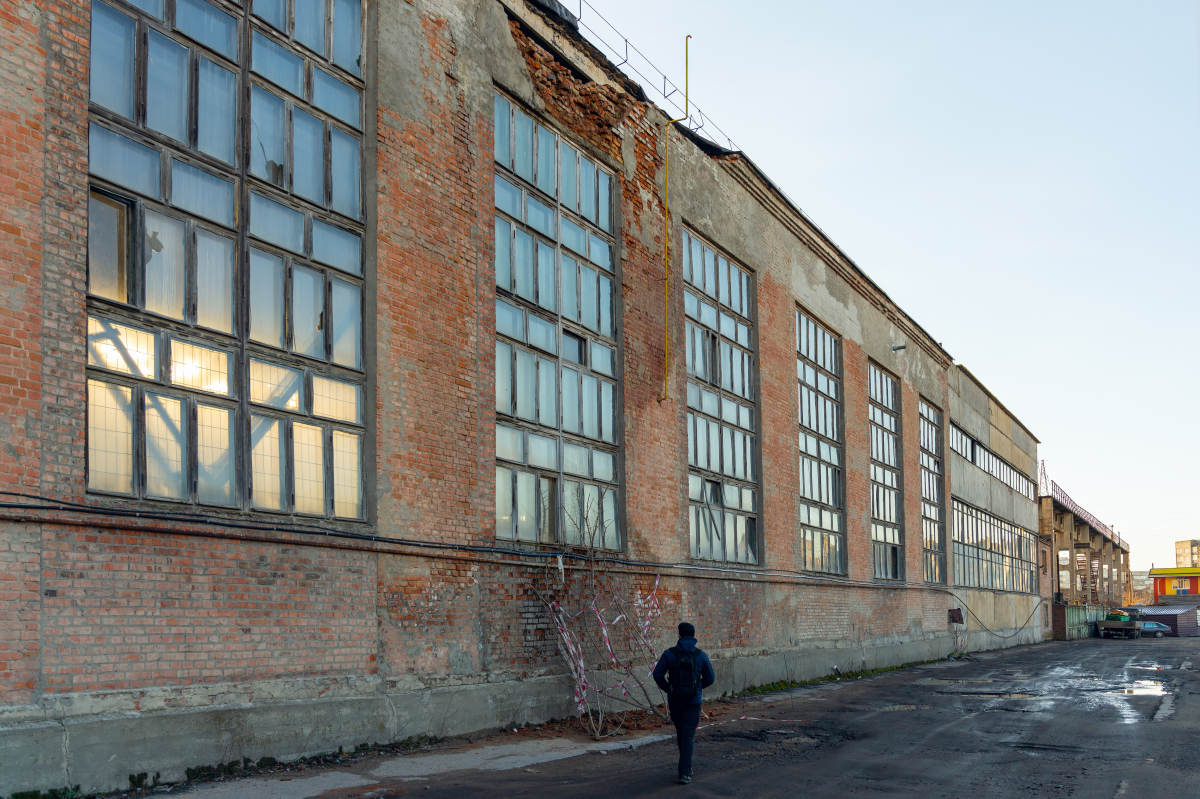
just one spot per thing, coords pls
(685, 779)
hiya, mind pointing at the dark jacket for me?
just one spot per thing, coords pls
(663, 669)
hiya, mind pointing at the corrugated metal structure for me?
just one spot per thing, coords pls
(1072, 622)
(1183, 619)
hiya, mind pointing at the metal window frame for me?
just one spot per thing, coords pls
(887, 553)
(236, 343)
(802, 314)
(1023, 484)
(563, 324)
(713, 339)
(939, 555)
(987, 548)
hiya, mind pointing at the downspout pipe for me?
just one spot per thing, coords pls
(667, 228)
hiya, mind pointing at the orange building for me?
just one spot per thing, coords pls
(1175, 582)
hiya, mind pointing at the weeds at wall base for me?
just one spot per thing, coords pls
(838, 676)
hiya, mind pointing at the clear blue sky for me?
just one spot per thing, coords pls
(1023, 178)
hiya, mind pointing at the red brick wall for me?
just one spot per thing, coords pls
(43, 146)
(86, 608)
(127, 611)
(435, 312)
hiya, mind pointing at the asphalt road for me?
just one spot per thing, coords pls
(1095, 718)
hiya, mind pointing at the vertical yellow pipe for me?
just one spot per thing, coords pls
(667, 227)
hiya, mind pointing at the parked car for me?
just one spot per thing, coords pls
(1156, 629)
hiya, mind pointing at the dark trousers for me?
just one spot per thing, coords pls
(685, 718)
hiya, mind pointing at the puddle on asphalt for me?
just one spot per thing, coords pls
(936, 681)
(1143, 688)
(1003, 696)
(1152, 667)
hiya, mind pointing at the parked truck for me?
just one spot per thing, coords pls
(1120, 623)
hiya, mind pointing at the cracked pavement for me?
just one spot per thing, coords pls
(1093, 718)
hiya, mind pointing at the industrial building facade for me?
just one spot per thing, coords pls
(330, 323)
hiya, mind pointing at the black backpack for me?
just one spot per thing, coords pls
(684, 674)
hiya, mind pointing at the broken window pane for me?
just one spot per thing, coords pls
(547, 393)
(267, 144)
(308, 312)
(164, 265)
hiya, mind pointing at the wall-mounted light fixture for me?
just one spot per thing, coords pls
(898, 347)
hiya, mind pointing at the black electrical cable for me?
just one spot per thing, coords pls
(331, 532)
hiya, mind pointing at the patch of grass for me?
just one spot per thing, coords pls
(53, 793)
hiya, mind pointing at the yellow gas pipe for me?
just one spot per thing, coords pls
(667, 227)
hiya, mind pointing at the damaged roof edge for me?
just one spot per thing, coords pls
(559, 10)
(568, 26)
(996, 399)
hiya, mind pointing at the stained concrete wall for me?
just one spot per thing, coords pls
(977, 412)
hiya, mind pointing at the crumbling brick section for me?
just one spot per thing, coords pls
(589, 109)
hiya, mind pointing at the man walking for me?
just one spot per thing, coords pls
(683, 672)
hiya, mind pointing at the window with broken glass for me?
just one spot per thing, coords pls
(719, 353)
(992, 553)
(225, 282)
(887, 503)
(557, 299)
(933, 525)
(818, 372)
